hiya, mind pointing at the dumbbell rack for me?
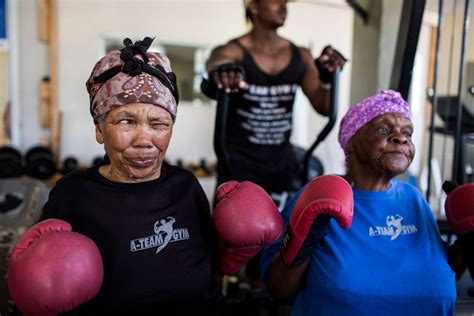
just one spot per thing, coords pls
(29, 196)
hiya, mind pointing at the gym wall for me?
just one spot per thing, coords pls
(83, 25)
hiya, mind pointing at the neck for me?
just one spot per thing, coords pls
(264, 36)
(116, 175)
(368, 182)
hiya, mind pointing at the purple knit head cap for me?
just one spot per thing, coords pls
(384, 102)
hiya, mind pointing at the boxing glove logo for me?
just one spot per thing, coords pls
(164, 234)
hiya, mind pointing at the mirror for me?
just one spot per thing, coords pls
(188, 63)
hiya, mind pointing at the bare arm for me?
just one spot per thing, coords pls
(318, 95)
(283, 283)
(228, 53)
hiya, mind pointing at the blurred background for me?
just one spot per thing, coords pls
(48, 48)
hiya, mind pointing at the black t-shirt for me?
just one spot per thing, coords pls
(260, 124)
(156, 239)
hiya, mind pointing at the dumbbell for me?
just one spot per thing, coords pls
(204, 166)
(97, 160)
(39, 163)
(10, 162)
(70, 164)
(101, 160)
(180, 163)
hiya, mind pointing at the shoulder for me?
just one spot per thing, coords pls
(230, 50)
(184, 180)
(406, 188)
(73, 178)
(305, 54)
(180, 174)
(409, 193)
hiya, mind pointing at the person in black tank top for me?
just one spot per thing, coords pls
(262, 71)
(260, 123)
(264, 74)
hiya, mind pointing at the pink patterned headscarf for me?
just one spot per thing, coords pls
(132, 75)
(384, 102)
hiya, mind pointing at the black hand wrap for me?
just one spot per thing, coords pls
(449, 186)
(466, 248)
(209, 87)
(314, 237)
(228, 67)
(324, 74)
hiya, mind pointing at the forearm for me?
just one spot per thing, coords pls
(283, 283)
(321, 100)
(224, 54)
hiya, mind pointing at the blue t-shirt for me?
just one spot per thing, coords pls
(390, 262)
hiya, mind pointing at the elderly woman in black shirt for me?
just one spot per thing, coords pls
(150, 221)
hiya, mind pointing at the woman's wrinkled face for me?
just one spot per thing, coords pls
(135, 137)
(383, 146)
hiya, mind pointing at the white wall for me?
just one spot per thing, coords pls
(308, 124)
(29, 65)
(82, 25)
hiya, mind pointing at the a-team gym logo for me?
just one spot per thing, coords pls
(393, 229)
(164, 234)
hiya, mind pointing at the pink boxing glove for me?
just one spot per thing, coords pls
(53, 270)
(246, 220)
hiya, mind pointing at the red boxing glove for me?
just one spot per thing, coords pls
(53, 270)
(459, 207)
(324, 197)
(246, 219)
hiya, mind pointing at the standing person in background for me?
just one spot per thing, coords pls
(263, 71)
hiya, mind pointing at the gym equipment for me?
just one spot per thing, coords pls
(101, 159)
(10, 162)
(407, 42)
(70, 164)
(306, 176)
(459, 121)
(180, 163)
(204, 166)
(97, 160)
(39, 163)
(9, 202)
(21, 202)
(309, 165)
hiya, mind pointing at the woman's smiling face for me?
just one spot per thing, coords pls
(384, 145)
